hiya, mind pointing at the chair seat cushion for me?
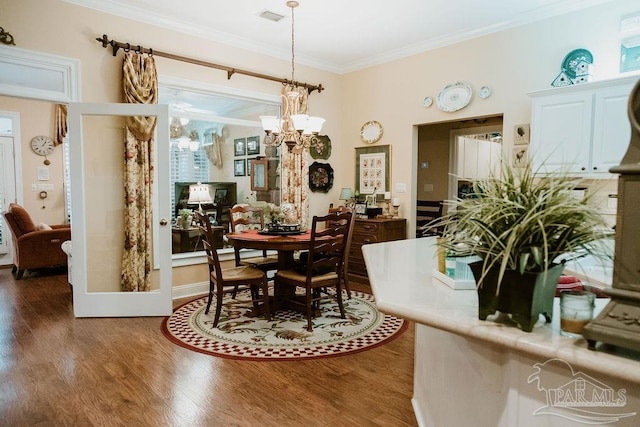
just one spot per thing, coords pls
(22, 218)
(260, 261)
(241, 273)
(298, 277)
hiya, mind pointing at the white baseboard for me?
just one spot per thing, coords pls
(190, 290)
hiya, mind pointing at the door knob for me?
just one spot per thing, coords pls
(163, 222)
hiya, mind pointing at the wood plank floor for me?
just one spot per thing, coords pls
(56, 370)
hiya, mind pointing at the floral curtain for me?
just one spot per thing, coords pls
(140, 85)
(295, 168)
(61, 124)
(213, 150)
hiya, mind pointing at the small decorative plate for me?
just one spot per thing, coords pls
(485, 92)
(321, 149)
(371, 132)
(573, 58)
(427, 101)
(454, 97)
(320, 177)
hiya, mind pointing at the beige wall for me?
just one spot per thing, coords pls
(37, 118)
(511, 62)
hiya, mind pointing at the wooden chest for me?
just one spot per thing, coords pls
(373, 231)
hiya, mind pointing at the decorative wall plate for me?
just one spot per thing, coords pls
(485, 92)
(454, 97)
(573, 58)
(320, 177)
(321, 149)
(427, 101)
(371, 132)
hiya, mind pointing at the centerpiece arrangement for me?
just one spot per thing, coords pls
(522, 226)
(278, 219)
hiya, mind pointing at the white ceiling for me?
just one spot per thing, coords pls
(338, 35)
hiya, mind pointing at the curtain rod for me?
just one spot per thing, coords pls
(230, 71)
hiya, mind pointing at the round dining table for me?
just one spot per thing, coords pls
(284, 244)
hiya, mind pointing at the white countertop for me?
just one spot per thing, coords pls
(400, 276)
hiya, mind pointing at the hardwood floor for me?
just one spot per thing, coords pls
(56, 370)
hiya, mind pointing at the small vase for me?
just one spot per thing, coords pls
(186, 223)
(525, 296)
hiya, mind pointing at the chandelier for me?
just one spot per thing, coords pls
(295, 130)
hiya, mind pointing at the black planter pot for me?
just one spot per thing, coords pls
(524, 296)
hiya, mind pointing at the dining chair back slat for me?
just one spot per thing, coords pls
(245, 217)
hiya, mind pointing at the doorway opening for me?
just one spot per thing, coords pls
(442, 160)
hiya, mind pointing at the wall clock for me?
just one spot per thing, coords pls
(43, 146)
(371, 132)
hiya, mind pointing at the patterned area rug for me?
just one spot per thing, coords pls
(284, 337)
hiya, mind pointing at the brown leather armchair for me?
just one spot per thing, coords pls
(32, 247)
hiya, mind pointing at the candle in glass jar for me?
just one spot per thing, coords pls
(387, 195)
(396, 201)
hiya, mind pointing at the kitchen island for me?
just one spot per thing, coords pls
(490, 373)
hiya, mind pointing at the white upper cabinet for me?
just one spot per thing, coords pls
(477, 158)
(583, 129)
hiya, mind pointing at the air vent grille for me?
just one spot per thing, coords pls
(271, 16)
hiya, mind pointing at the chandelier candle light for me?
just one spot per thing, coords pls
(296, 130)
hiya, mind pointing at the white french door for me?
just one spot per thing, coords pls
(96, 135)
(7, 190)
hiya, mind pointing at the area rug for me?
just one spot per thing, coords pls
(285, 337)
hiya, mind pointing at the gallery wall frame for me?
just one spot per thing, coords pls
(240, 147)
(373, 169)
(253, 145)
(239, 167)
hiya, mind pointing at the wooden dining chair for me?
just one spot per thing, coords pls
(245, 217)
(347, 250)
(323, 269)
(427, 214)
(230, 279)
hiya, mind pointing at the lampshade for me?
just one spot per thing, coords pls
(345, 194)
(199, 193)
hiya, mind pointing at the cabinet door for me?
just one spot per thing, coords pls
(484, 159)
(611, 128)
(470, 159)
(496, 159)
(561, 132)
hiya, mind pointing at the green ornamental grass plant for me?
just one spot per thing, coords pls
(523, 222)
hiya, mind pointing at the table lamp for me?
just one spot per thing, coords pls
(346, 194)
(199, 193)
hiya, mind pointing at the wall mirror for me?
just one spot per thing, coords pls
(259, 175)
(204, 124)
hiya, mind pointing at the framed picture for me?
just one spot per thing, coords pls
(249, 161)
(520, 156)
(253, 145)
(521, 134)
(239, 167)
(372, 170)
(361, 208)
(220, 196)
(259, 175)
(240, 147)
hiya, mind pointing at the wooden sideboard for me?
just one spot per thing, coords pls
(372, 231)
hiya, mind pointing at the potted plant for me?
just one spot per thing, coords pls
(521, 226)
(185, 217)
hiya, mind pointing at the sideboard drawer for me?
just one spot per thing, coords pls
(367, 231)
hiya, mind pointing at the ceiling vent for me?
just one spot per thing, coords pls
(271, 16)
